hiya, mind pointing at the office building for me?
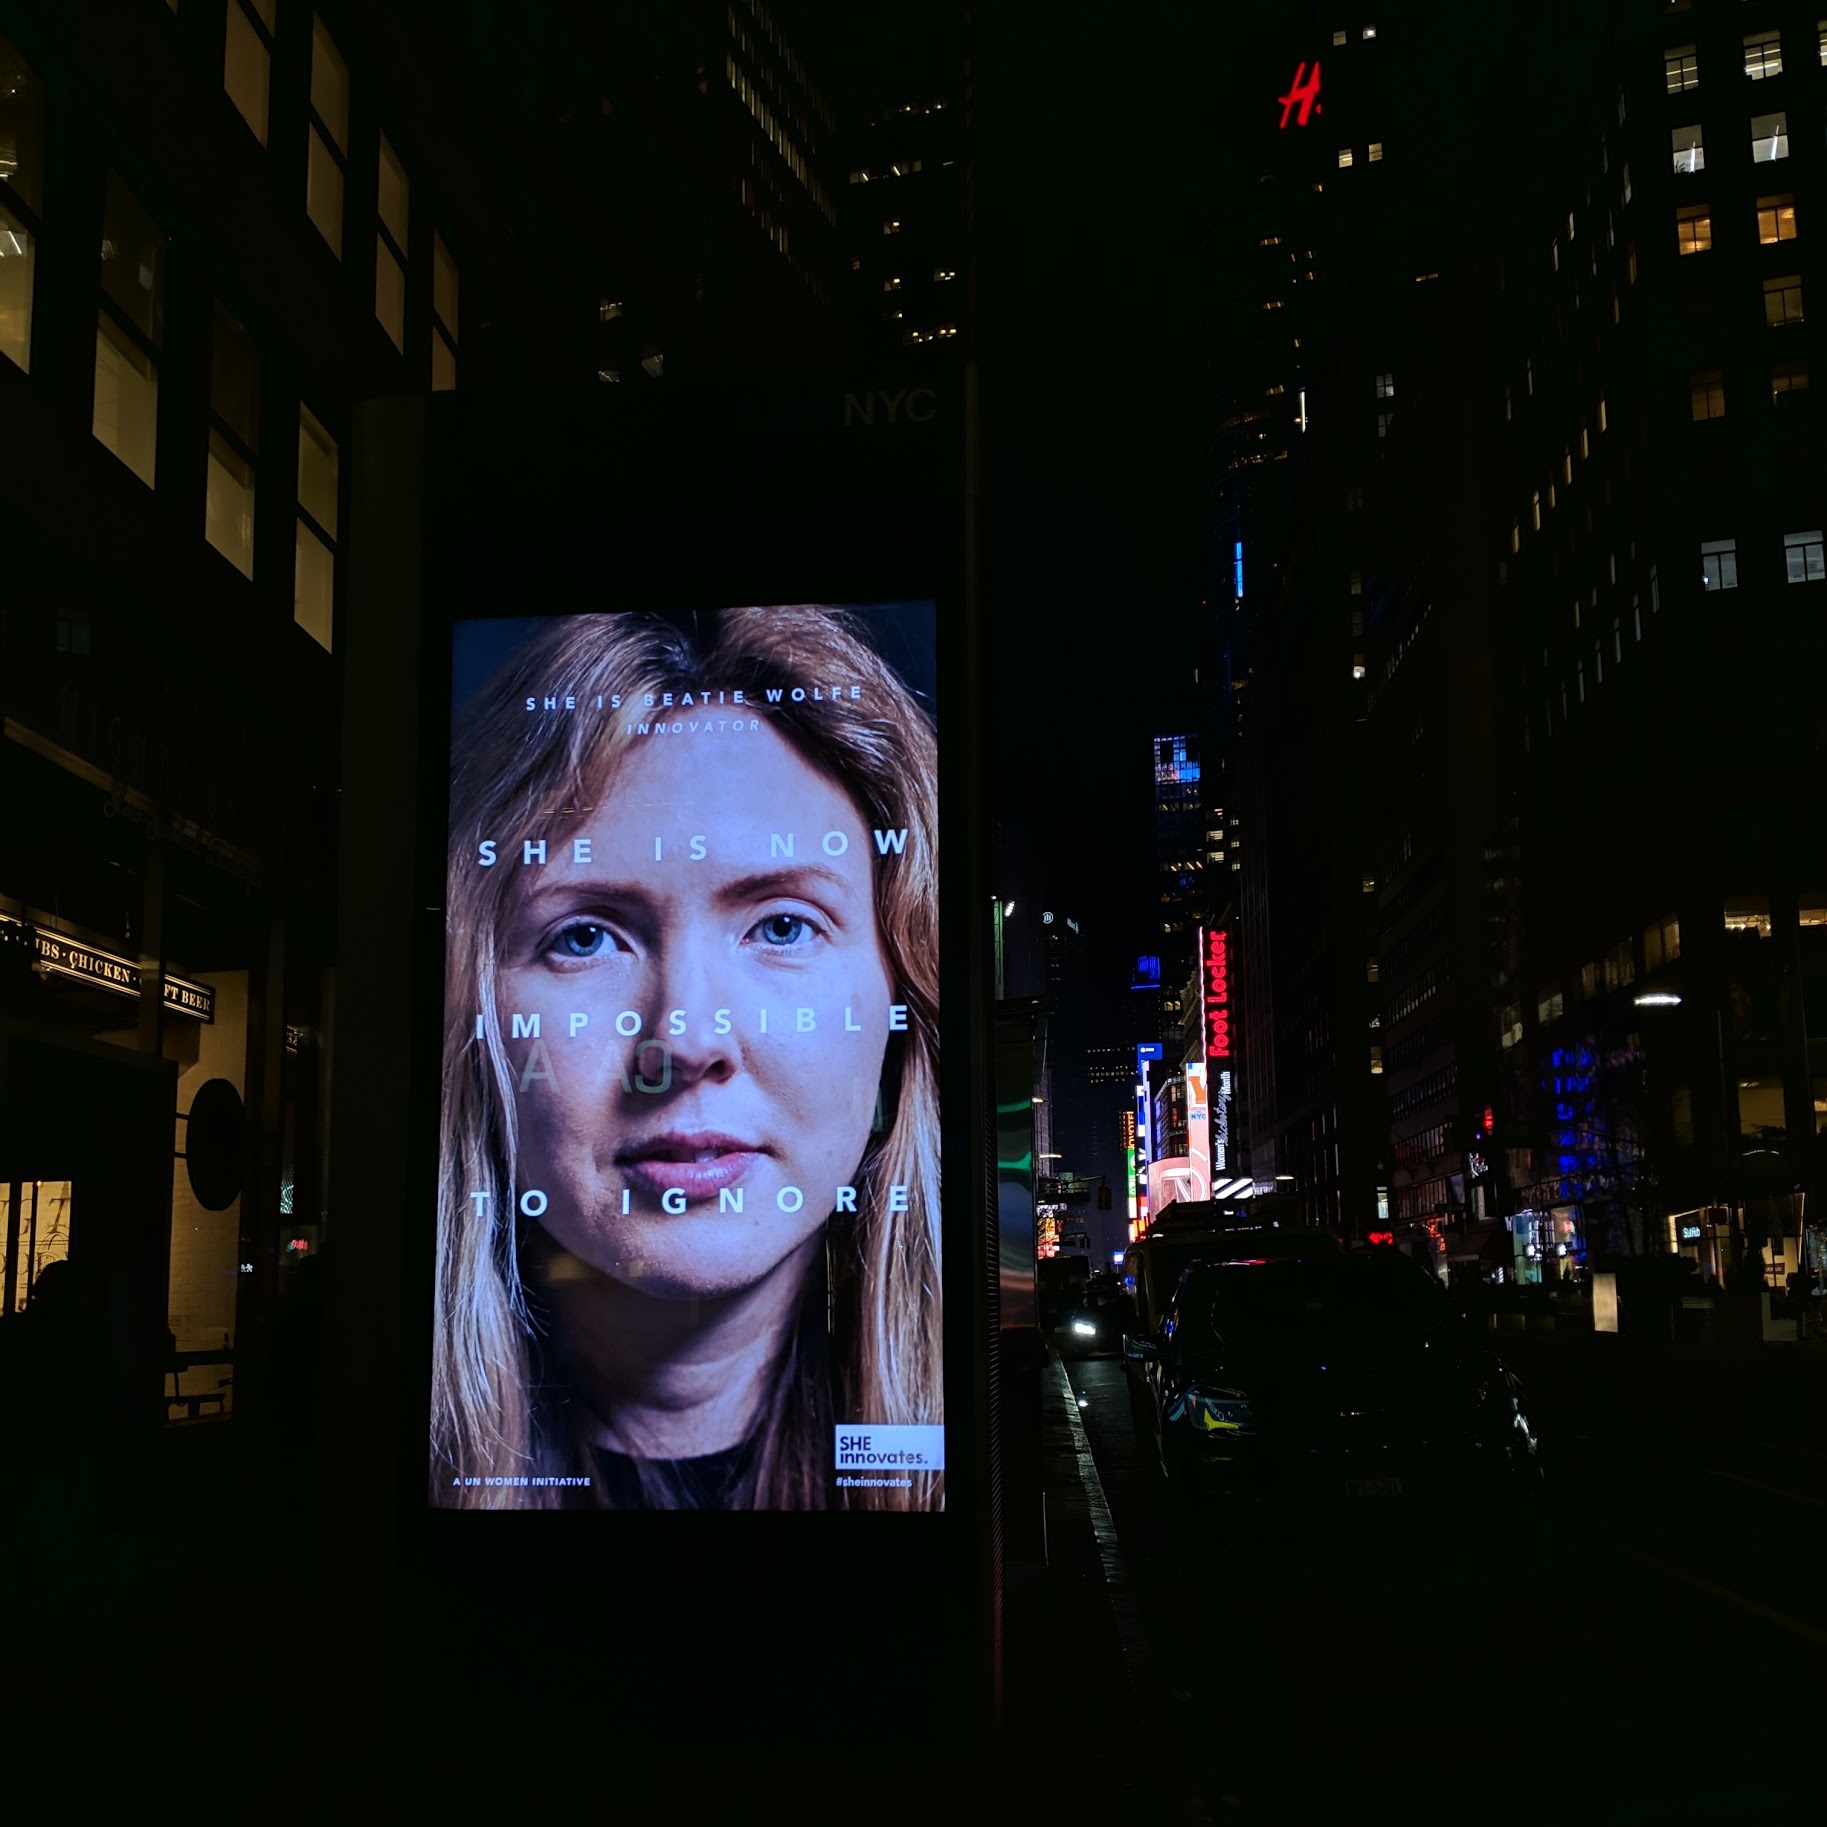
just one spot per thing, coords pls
(223, 225)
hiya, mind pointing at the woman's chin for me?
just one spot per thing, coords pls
(679, 1259)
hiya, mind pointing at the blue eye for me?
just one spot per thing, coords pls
(783, 930)
(581, 939)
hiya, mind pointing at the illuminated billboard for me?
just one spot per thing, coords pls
(688, 1236)
(1198, 1131)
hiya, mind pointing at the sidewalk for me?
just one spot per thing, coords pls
(1088, 1721)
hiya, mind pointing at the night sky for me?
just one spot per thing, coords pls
(1096, 158)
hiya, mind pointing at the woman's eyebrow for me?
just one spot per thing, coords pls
(786, 881)
(564, 885)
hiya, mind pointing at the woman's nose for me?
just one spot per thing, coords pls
(695, 1013)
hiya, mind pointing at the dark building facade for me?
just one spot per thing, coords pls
(224, 223)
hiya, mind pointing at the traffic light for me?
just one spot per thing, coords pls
(1103, 1198)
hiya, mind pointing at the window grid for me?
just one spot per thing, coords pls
(444, 324)
(393, 199)
(247, 61)
(1769, 138)
(1783, 300)
(1719, 564)
(328, 152)
(1681, 63)
(1763, 55)
(21, 198)
(234, 439)
(1805, 557)
(129, 331)
(1775, 220)
(314, 580)
(1694, 228)
(1706, 395)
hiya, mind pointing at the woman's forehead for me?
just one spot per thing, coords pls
(751, 783)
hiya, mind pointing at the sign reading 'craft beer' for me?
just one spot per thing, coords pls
(1217, 993)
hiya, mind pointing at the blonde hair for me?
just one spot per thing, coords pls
(514, 772)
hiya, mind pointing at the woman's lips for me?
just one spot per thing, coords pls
(700, 1167)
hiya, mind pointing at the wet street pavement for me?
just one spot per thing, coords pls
(1646, 1644)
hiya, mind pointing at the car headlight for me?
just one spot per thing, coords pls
(1086, 1329)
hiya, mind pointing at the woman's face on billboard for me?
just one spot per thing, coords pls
(713, 1012)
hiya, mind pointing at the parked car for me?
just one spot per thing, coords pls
(1350, 1376)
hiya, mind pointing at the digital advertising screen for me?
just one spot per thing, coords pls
(688, 1250)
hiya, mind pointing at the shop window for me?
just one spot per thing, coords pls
(1763, 55)
(1804, 561)
(1787, 382)
(1719, 564)
(1775, 220)
(129, 331)
(1681, 64)
(22, 114)
(327, 156)
(393, 197)
(314, 595)
(1688, 146)
(39, 1231)
(444, 317)
(1783, 300)
(1694, 228)
(1748, 915)
(247, 61)
(1706, 394)
(1769, 138)
(1661, 943)
(234, 443)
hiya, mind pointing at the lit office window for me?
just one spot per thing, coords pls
(1706, 395)
(21, 198)
(392, 198)
(1769, 137)
(1783, 300)
(1386, 386)
(1694, 229)
(1384, 420)
(1820, 34)
(1763, 55)
(1775, 220)
(1535, 510)
(1749, 913)
(129, 331)
(234, 442)
(1787, 382)
(444, 317)
(314, 593)
(1682, 64)
(1374, 152)
(1344, 156)
(1689, 149)
(247, 61)
(1804, 559)
(1338, 37)
(1719, 564)
(328, 154)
